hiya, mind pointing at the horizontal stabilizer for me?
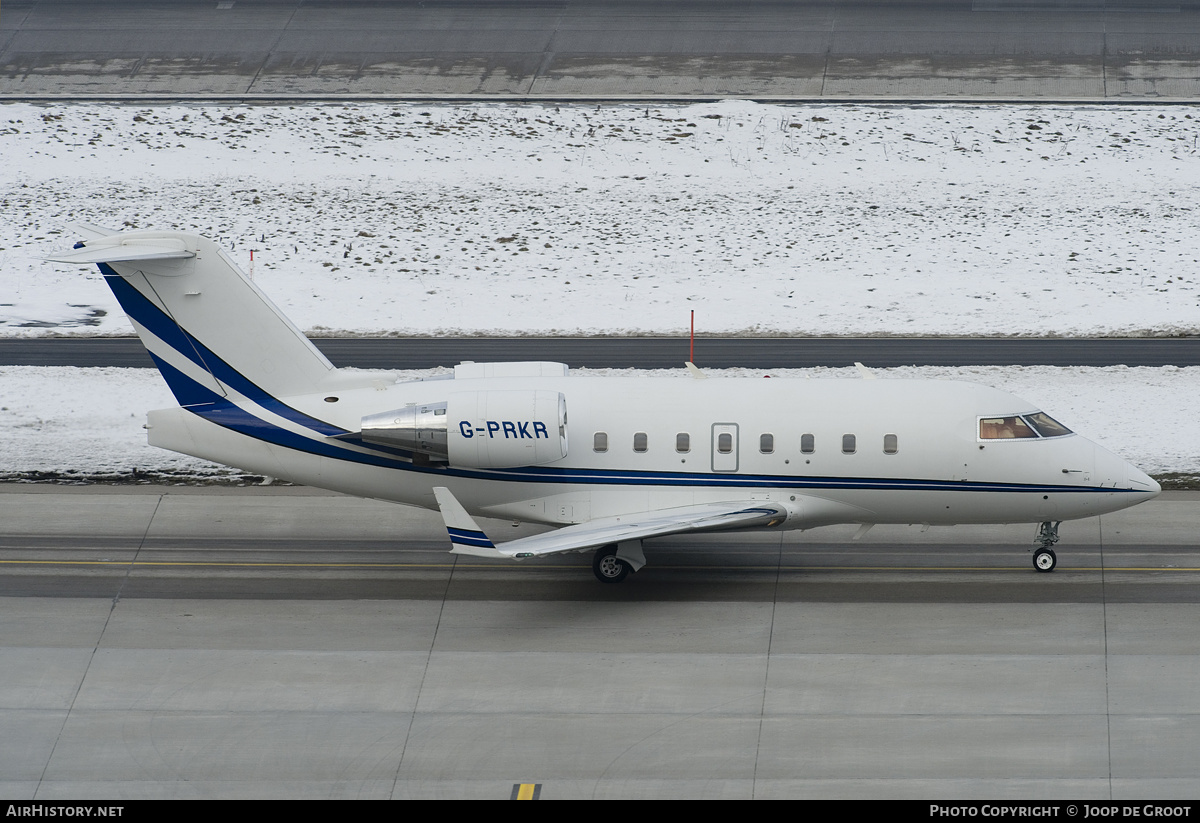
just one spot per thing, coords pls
(124, 250)
(90, 231)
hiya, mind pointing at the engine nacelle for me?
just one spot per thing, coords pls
(506, 429)
(480, 430)
(420, 428)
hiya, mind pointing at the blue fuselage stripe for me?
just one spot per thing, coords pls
(239, 420)
(207, 404)
(142, 309)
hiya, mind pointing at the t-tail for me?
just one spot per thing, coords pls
(212, 333)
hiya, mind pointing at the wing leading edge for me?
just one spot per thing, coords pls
(468, 538)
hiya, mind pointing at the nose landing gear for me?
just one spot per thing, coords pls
(1044, 559)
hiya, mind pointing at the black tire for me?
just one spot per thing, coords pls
(607, 567)
(1044, 560)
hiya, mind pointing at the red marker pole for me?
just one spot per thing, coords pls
(692, 342)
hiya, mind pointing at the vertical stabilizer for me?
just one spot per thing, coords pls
(208, 327)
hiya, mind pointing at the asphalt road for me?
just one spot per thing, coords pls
(654, 353)
(296, 542)
(823, 567)
(186, 643)
(1125, 50)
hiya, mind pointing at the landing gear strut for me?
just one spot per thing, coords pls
(607, 567)
(1044, 559)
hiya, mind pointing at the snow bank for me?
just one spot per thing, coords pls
(534, 218)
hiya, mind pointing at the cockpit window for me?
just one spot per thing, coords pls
(1004, 428)
(1046, 426)
(1030, 426)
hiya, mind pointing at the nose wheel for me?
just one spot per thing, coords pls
(1043, 556)
(1044, 560)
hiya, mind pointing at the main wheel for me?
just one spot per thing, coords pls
(607, 567)
(1044, 560)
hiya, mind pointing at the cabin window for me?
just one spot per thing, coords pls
(891, 444)
(683, 442)
(766, 443)
(848, 444)
(1045, 425)
(639, 442)
(1004, 428)
(600, 442)
(725, 443)
(807, 444)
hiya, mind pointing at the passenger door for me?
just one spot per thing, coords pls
(725, 447)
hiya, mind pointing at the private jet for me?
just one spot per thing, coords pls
(611, 461)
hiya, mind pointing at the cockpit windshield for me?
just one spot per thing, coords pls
(1045, 425)
(1004, 428)
(1030, 426)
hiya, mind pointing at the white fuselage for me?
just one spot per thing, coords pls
(532, 442)
(938, 470)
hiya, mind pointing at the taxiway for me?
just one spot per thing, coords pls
(283, 642)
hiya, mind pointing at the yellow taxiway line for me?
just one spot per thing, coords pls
(283, 565)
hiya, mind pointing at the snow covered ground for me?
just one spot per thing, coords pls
(513, 219)
(533, 218)
(87, 423)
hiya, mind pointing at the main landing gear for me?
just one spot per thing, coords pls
(607, 567)
(614, 562)
(1044, 559)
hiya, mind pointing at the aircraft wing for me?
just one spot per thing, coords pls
(468, 538)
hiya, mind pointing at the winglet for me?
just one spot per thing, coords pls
(465, 534)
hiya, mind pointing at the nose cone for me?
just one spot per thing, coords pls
(1143, 482)
(1113, 472)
